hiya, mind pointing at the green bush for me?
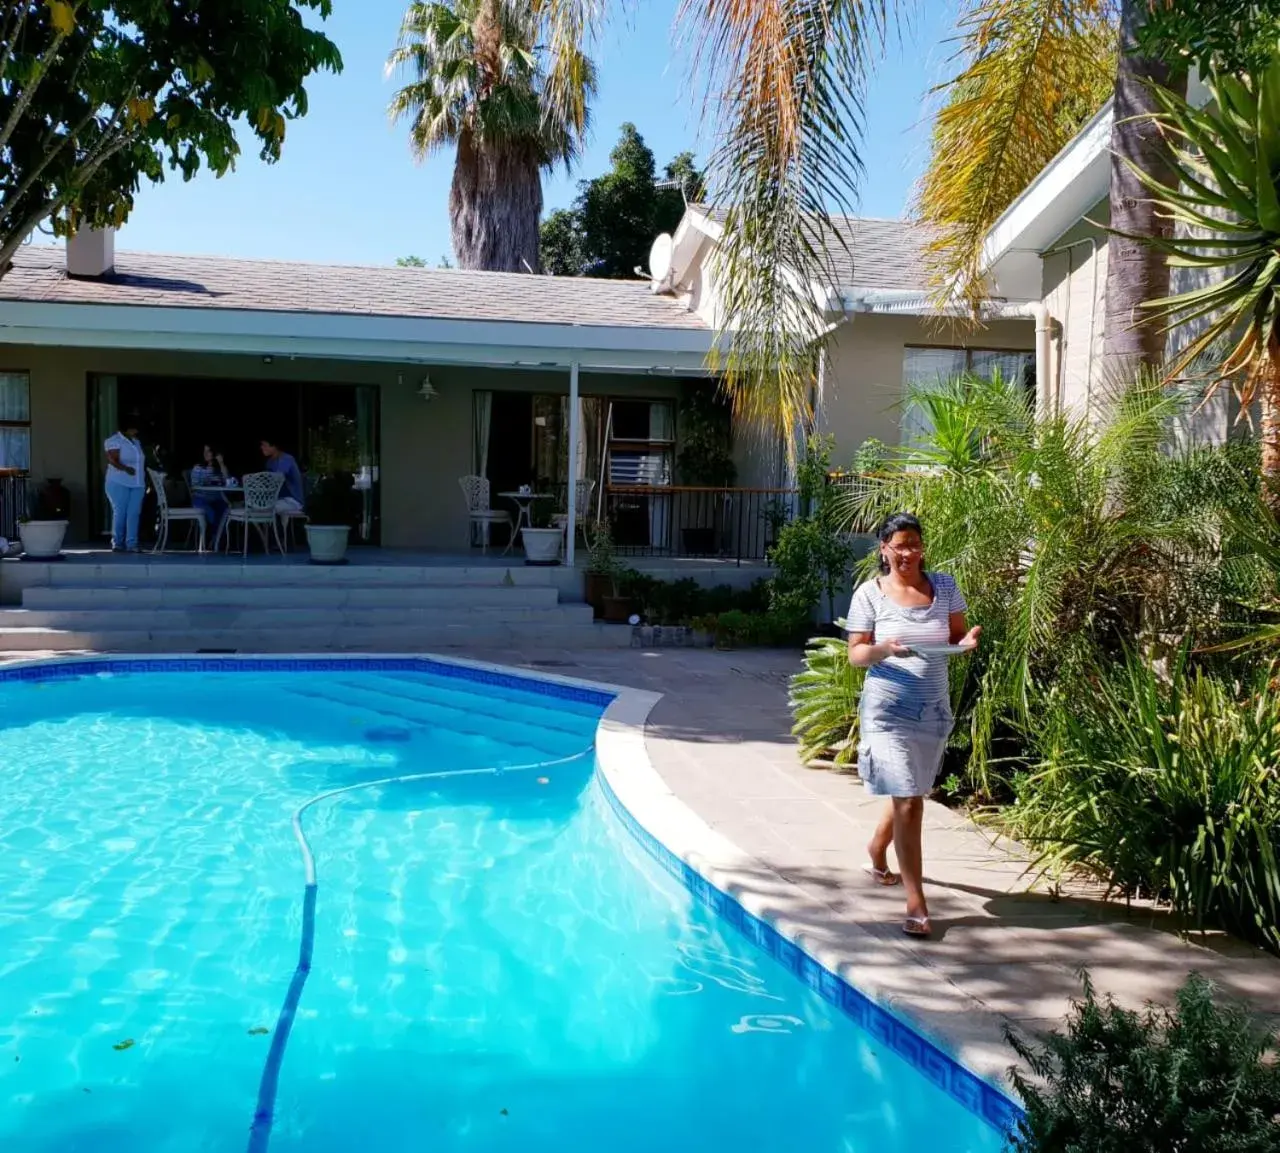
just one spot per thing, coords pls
(1168, 787)
(824, 703)
(1201, 1078)
(1071, 540)
(812, 554)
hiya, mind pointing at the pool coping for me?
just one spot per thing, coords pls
(970, 1065)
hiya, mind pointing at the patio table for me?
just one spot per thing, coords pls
(223, 490)
(524, 503)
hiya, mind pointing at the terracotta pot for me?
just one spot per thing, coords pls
(617, 609)
(595, 589)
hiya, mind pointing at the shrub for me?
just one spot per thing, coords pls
(824, 703)
(1166, 787)
(811, 555)
(1201, 1078)
(1050, 526)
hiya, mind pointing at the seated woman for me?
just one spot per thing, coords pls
(212, 470)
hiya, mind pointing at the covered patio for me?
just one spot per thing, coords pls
(409, 379)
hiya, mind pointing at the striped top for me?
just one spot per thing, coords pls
(917, 680)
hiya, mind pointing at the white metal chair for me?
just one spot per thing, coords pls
(584, 489)
(261, 491)
(475, 491)
(167, 514)
(286, 517)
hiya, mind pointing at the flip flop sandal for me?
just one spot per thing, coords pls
(883, 876)
(917, 927)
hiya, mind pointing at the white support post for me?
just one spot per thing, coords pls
(575, 433)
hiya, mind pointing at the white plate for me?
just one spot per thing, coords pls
(939, 650)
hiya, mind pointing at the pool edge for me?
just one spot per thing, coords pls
(732, 883)
(739, 888)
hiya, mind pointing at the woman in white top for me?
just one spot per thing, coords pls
(904, 711)
(126, 484)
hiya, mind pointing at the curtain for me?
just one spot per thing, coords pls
(105, 416)
(1013, 367)
(367, 454)
(926, 368)
(483, 404)
(15, 448)
(15, 405)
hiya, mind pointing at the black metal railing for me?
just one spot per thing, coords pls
(14, 498)
(678, 521)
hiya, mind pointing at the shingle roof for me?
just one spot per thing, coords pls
(39, 274)
(875, 253)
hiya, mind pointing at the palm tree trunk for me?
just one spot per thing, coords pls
(495, 203)
(1270, 427)
(1136, 272)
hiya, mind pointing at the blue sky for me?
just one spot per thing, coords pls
(347, 190)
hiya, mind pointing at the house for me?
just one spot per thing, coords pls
(1050, 248)
(413, 378)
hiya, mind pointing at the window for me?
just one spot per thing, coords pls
(932, 367)
(15, 421)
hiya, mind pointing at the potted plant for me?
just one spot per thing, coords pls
(42, 534)
(705, 460)
(540, 540)
(603, 572)
(331, 511)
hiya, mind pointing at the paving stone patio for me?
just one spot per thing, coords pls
(720, 738)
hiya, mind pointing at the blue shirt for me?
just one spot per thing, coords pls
(283, 462)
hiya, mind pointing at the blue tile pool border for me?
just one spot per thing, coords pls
(70, 669)
(938, 1067)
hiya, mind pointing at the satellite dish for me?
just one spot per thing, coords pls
(660, 257)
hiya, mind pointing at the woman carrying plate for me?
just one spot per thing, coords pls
(902, 627)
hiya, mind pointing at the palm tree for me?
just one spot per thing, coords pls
(479, 85)
(1136, 272)
(1034, 72)
(1225, 191)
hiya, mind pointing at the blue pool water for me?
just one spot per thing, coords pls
(497, 965)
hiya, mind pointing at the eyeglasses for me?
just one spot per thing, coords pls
(905, 549)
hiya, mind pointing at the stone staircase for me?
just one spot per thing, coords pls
(172, 606)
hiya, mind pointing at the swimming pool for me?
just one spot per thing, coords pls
(488, 960)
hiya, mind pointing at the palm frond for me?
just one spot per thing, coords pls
(1032, 73)
(783, 82)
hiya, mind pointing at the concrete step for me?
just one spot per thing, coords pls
(224, 571)
(335, 638)
(108, 596)
(128, 616)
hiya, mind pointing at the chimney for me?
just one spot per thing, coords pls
(91, 252)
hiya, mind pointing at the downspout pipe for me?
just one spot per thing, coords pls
(1038, 311)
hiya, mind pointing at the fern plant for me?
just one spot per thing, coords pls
(824, 703)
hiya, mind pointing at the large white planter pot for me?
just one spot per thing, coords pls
(541, 545)
(42, 539)
(328, 543)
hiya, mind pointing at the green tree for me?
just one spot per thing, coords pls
(478, 76)
(411, 262)
(97, 95)
(560, 241)
(617, 216)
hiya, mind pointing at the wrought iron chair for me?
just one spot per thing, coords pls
(261, 491)
(475, 491)
(167, 514)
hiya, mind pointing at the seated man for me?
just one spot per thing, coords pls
(291, 495)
